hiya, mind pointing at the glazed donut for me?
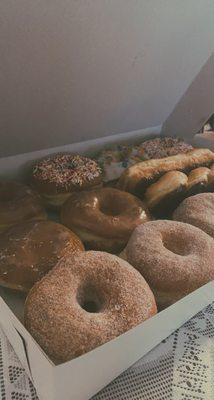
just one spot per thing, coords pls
(210, 185)
(197, 210)
(137, 178)
(29, 250)
(105, 218)
(59, 175)
(85, 301)
(18, 203)
(164, 195)
(197, 181)
(175, 258)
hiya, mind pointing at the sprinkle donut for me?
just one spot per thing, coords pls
(57, 176)
(85, 301)
(175, 258)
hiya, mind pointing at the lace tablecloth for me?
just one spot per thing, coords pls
(180, 368)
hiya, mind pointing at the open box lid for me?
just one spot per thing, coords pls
(195, 106)
(76, 70)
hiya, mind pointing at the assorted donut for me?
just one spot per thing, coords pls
(104, 218)
(90, 297)
(116, 159)
(134, 230)
(59, 175)
(19, 203)
(197, 210)
(174, 257)
(29, 250)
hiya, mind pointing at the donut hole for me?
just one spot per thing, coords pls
(111, 208)
(68, 165)
(177, 244)
(89, 300)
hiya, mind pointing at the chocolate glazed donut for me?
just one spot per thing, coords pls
(105, 218)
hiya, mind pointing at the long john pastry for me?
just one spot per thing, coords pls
(137, 178)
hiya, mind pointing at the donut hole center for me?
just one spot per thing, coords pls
(89, 300)
(177, 244)
(111, 208)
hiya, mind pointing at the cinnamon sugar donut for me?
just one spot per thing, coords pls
(105, 218)
(18, 203)
(175, 258)
(29, 250)
(197, 210)
(57, 176)
(85, 301)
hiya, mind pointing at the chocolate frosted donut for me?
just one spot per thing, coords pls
(57, 176)
(175, 258)
(105, 218)
(29, 250)
(85, 301)
(197, 210)
(18, 203)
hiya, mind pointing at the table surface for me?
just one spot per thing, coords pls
(180, 368)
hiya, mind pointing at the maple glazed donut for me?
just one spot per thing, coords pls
(197, 210)
(18, 203)
(175, 258)
(105, 218)
(57, 176)
(85, 301)
(29, 250)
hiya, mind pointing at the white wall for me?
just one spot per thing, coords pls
(74, 69)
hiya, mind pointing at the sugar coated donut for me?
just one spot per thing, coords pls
(57, 176)
(18, 203)
(29, 250)
(85, 301)
(175, 258)
(197, 210)
(105, 218)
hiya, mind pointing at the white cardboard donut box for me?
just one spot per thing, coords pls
(81, 378)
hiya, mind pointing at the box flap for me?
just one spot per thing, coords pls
(14, 337)
(38, 367)
(195, 107)
(77, 70)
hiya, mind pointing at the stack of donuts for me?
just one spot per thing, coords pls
(108, 262)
